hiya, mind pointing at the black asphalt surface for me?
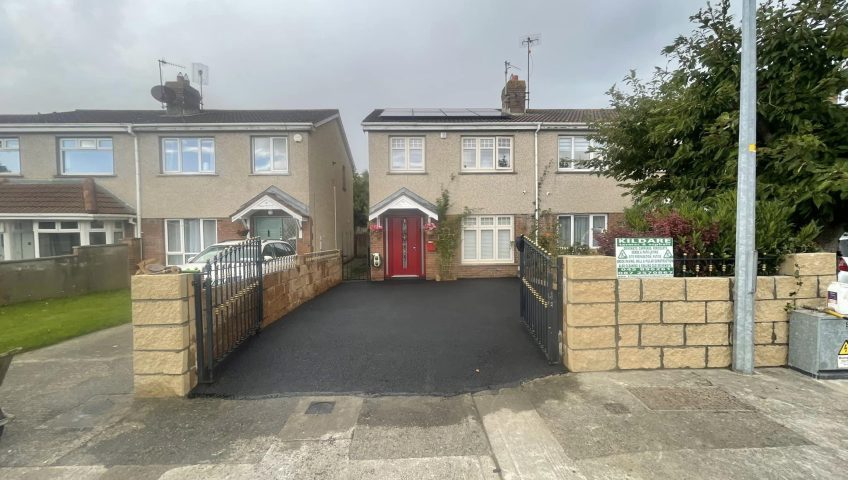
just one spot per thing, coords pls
(411, 337)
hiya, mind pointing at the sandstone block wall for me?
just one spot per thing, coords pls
(651, 323)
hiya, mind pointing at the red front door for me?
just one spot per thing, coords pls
(404, 247)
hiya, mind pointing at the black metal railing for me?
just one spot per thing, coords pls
(228, 302)
(541, 297)
(698, 265)
(356, 269)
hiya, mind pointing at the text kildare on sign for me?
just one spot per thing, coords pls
(644, 257)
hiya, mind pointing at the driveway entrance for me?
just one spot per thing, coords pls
(415, 337)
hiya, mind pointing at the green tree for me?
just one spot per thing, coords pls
(674, 135)
(360, 199)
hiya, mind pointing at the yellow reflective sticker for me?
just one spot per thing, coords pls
(752, 147)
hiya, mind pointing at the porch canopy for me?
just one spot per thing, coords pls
(403, 199)
(273, 198)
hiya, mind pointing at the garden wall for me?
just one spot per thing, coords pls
(89, 269)
(164, 318)
(612, 323)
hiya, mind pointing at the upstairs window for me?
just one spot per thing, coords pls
(188, 155)
(270, 155)
(486, 153)
(10, 156)
(407, 154)
(573, 153)
(86, 156)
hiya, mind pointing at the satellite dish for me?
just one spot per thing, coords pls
(163, 94)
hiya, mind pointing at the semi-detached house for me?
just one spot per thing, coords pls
(181, 178)
(495, 162)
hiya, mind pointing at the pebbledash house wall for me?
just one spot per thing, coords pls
(490, 193)
(164, 316)
(654, 323)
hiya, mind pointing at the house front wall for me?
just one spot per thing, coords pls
(39, 153)
(494, 193)
(231, 185)
(331, 190)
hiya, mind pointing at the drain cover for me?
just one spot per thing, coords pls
(678, 398)
(320, 408)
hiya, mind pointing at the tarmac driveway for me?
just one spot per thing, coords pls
(431, 338)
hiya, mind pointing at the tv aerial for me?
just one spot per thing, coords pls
(161, 92)
(530, 41)
(507, 67)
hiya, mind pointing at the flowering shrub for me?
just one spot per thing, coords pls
(375, 227)
(430, 226)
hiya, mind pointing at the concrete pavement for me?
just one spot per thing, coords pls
(76, 418)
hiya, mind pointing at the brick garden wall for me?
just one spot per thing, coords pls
(311, 276)
(612, 323)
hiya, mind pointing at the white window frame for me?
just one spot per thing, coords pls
(496, 141)
(203, 244)
(572, 168)
(79, 141)
(591, 226)
(406, 148)
(4, 147)
(179, 141)
(272, 142)
(495, 227)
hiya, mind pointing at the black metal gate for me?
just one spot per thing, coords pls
(228, 302)
(541, 297)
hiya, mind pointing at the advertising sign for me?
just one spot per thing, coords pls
(644, 257)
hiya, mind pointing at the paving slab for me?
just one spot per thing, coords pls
(432, 468)
(521, 442)
(306, 460)
(801, 463)
(334, 422)
(182, 431)
(415, 427)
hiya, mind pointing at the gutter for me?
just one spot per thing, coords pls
(138, 231)
(536, 184)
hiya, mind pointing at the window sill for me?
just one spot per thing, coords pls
(488, 172)
(406, 172)
(577, 171)
(490, 263)
(269, 174)
(84, 175)
(186, 174)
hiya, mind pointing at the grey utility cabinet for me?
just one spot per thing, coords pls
(817, 344)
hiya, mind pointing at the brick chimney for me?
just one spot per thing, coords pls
(513, 96)
(187, 101)
(89, 195)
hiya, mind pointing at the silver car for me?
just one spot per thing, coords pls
(277, 255)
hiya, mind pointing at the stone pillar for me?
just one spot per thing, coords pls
(164, 352)
(589, 313)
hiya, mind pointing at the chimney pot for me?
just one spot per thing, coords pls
(187, 98)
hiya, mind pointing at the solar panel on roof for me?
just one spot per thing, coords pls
(486, 112)
(457, 112)
(427, 112)
(397, 112)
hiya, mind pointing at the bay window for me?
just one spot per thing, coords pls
(487, 239)
(188, 155)
(185, 238)
(583, 229)
(486, 153)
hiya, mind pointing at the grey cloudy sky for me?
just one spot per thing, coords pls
(352, 55)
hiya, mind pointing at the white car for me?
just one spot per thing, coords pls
(276, 253)
(842, 260)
